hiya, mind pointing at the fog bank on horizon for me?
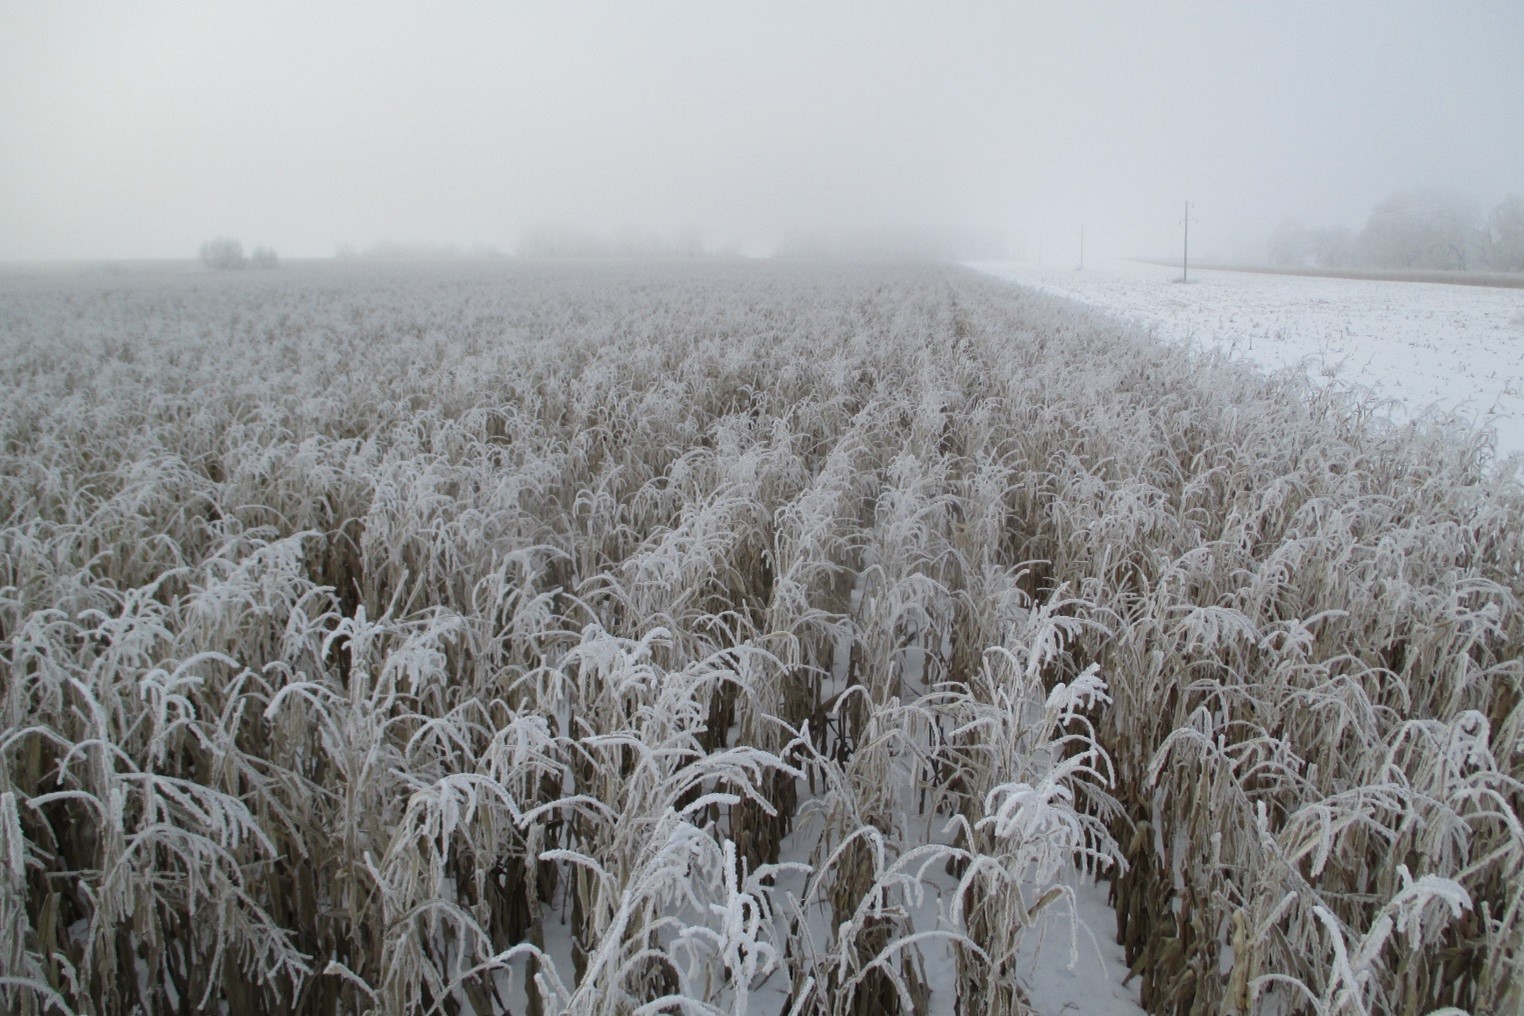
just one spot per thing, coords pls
(968, 129)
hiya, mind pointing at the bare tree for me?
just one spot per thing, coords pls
(1505, 235)
(1334, 246)
(223, 253)
(1424, 228)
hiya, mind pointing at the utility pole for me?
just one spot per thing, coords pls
(1185, 255)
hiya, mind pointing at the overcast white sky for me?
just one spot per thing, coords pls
(140, 130)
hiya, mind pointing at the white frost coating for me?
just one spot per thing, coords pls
(467, 635)
(1086, 691)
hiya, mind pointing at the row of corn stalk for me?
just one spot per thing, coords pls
(729, 639)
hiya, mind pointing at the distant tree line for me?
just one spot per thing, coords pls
(894, 243)
(1421, 228)
(551, 241)
(415, 250)
(226, 254)
(562, 241)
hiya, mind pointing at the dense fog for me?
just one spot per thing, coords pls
(965, 130)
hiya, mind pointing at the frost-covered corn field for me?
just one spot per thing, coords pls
(726, 639)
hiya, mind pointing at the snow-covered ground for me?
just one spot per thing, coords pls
(1425, 346)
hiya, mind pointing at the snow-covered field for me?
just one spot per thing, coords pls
(1429, 348)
